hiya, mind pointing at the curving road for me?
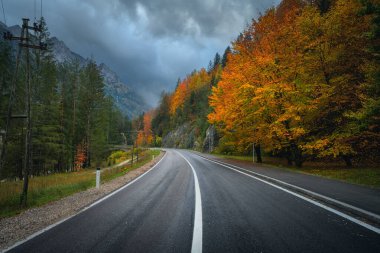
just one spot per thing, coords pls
(189, 204)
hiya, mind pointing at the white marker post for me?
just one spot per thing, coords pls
(97, 178)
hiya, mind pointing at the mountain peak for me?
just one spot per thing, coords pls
(15, 30)
(62, 52)
(126, 99)
(2, 25)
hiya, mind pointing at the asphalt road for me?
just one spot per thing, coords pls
(178, 207)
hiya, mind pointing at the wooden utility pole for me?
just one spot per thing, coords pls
(134, 142)
(24, 43)
(27, 160)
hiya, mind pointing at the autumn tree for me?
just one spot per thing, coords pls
(294, 79)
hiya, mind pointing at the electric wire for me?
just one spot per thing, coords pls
(2, 5)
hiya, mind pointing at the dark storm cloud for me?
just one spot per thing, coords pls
(149, 43)
(182, 17)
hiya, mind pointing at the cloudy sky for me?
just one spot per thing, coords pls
(148, 43)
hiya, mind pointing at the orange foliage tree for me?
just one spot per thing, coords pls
(145, 137)
(293, 82)
(191, 83)
(80, 156)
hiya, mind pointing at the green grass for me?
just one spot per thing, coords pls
(44, 189)
(362, 176)
(119, 171)
(235, 157)
(333, 170)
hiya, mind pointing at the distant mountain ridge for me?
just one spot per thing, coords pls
(64, 54)
(126, 99)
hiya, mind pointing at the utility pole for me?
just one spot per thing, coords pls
(134, 142)
(27, 160)
(24, 43)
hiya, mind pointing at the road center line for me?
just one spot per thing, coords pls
(196, 246)
(343, 215)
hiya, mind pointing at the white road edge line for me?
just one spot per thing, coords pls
(348, 217)
(196, 246)
(81, 211)
(300, 188)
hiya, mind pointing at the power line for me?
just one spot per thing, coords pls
(2, 5)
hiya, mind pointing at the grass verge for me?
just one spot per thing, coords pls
(235, 157)
(362, 176)
(357, 175)
(45, 189)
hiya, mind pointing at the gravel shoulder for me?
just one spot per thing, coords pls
(17, 228)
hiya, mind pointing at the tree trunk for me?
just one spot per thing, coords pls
(298, 157)
(347, 159)
(289, 156)
(258, 153)
(88, 161)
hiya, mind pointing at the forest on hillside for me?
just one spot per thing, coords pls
(301, 82)
(73, 122)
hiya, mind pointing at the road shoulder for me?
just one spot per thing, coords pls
(360, 197)
(16, 228)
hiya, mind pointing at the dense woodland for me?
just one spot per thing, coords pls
(189, 101)
(301, 82)
(73, 122)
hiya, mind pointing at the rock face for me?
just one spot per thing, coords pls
(63, 54)
(184, 136)
(126, 99)
(211, 139)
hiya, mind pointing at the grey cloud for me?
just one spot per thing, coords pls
(149, 43)
(179, 17)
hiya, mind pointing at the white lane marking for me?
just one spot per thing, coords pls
(84, 209)
(196, 246)
(300, 188)
(348, 217)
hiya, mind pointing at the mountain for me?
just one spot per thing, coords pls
(126, 98)
(3, 27)
(63, 54)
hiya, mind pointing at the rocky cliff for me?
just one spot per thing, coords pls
(185, 137)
